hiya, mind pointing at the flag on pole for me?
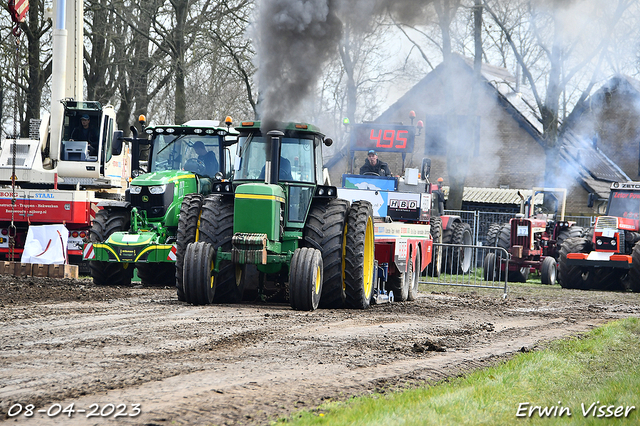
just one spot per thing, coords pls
(18, 9)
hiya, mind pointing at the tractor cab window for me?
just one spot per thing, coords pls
(296, 159)
(624, 204)
(194, 153)
(80, 137)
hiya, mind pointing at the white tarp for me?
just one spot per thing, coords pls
(46, 244)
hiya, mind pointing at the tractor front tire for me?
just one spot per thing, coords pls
(107, 222)
(633, 282)
(325, 230)
(216, 228)
(489, 267)
(548, 271)
(199, 285)
(359, 257)
(576, 277)
(187, 233)
(305, 279)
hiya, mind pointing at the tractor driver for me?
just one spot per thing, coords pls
(285, 170)
(375, 166)
(207, 157)
(86, 133)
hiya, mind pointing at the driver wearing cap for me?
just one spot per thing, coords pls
(85, 132)
(373, 165)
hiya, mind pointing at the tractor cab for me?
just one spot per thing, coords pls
(89, 146)
(289, 161)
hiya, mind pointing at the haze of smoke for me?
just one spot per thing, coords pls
(294, 38)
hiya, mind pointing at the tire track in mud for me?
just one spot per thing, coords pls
(246, 364)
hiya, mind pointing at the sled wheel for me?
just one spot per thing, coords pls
(188, 223)
(359, 256)
(107, 222)
(305, 279)
(199, 285)
(398, 284)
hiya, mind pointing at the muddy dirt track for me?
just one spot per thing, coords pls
(69, 342)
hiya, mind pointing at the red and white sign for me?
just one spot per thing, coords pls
(89, 253)
(172, 254)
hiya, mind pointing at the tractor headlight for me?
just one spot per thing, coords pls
(134, 189)
(159, 189)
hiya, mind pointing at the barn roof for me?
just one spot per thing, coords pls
(495, 195)
(590, 166)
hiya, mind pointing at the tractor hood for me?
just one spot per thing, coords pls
(162, 178)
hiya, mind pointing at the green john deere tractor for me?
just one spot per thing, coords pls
(162, 204)
(281, 229)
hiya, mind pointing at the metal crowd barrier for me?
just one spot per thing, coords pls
(469, 266)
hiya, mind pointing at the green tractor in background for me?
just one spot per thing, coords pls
(161, 204)
(280, 231)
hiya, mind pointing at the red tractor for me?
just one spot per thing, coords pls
(607, 257)
(533, 239)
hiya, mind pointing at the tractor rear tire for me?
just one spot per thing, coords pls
(462, 256)
(434, 269)
(187, 233)
(633, 281)
(414, 277)
(548, 271)
(325, 230)
(359, 257)
(570, 232)
(199, 284)
(305, 279)
(216, 228)
(106, 223)
(492, 234)
(576, 277)
(157, 274)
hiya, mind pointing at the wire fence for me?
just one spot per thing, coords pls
(480, 221)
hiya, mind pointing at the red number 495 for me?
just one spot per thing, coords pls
(389, 138)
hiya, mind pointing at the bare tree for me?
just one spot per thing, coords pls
(573, 48)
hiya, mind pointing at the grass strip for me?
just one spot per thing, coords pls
(596, 373)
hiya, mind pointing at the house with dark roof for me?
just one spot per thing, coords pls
(504, 150)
